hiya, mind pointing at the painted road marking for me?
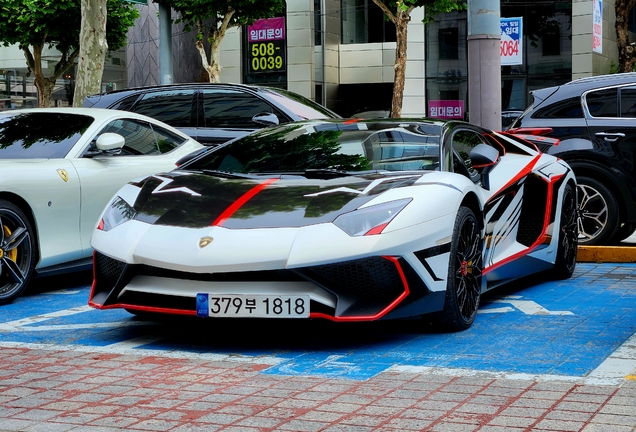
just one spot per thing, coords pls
(12, 325)
(578, 329)
(528, 307)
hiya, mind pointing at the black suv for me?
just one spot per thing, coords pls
(213, 113)
(594, 120)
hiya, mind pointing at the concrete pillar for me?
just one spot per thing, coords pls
(484, 64)
(165, 44)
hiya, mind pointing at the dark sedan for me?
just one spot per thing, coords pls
(214, 113)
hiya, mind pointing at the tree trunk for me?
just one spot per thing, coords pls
(43, 84)
(214, 70)
(401, 26)
(93, 48)
(626, 52)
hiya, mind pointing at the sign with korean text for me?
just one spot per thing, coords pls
(446, 109)
(511, 43)
(266, 45)
(597, 26)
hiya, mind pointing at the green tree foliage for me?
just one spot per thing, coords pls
(212, 18)
(399, 13)
(35, 25)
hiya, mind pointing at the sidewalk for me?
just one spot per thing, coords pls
(70, 390)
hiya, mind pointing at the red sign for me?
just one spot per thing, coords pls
(268, 29)
(446, 109)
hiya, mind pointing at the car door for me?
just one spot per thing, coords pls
(227, 113)
(503, 196)
(611, 120)
(148, 149)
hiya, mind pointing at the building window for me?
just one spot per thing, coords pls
(552, 40)
(448, 43)
(317, 23)
(363, 22)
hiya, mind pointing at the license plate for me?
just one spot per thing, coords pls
(252, 306)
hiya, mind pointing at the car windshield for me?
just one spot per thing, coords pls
(330, 145)
(301, 106)
(36, 135)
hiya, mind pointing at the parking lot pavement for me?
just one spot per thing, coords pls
(542, 355)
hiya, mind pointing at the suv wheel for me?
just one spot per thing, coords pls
(598, 212)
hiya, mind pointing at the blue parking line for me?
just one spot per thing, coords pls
(547, 327)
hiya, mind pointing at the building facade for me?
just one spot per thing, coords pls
(341, 53)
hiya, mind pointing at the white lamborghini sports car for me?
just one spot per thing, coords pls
(343, 220)
(59, 167)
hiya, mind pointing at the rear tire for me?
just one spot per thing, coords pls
(17, 252)
(568, 236)
(598, 212)
(463, 288)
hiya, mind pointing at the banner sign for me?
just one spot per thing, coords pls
(597, 26)
(511, 43)
(266, 45)
(446, 109)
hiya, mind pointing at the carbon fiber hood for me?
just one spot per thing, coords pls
(198, 200)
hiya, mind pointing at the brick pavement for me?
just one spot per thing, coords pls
(55, 390)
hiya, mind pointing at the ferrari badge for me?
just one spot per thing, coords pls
(63, 174)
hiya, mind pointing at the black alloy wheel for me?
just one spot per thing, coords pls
(598, 212)
(17, 252)
(568, 236)
(463, 289)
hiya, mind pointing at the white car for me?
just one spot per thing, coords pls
(346, 220)
(59, 167)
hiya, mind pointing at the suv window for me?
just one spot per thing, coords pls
(567, 108)
(628, 102)
(233, 109)
(173, 107)
(603, 103)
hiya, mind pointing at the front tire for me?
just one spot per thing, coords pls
(568, 236)
(17, 252)
(598, 212)
(463, 288)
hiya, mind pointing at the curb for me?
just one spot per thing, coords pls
(609, 254)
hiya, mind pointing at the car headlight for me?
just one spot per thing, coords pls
(117, 212)
(370, 220)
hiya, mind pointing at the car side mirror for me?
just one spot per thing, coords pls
(109, 141)
(266, 119)
(484, 158)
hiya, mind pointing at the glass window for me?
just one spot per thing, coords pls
(463, 142)
(173, 107)
(363, 22)
(232, 109)
(628, 102)
(552, 39)
(603, 103)
(299, 105)
(166, 140)
(307, 146)
(448, 43)
(126, 103)
(567, 108)
(139, 136)
(40, 135)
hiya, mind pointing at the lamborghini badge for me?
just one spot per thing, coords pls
(204, 241)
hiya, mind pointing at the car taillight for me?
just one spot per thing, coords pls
(530, 131)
